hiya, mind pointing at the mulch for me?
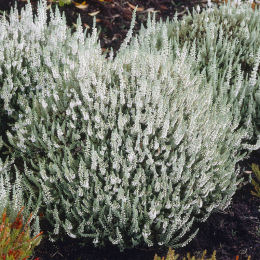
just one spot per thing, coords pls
(234, 233)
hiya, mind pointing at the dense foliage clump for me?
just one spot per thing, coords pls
(31, 58)
(225, 44)
(16, 193)
(133, 150)
(15, 238)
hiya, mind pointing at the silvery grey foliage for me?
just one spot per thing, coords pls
(30, 60)
(225, 44)
(15, 194)
(32, 57)
(129, 150)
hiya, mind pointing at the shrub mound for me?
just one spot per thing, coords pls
(135, 150)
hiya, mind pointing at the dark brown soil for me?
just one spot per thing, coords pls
(234, 232)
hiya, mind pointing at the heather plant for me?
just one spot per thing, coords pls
(121, 149)
(256, 183)
(138, 168)
(15, 241)
(225, 44)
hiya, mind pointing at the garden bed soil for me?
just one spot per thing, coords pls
(233, 232)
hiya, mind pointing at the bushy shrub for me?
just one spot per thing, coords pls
(15, 241)
(130, 150)
(225, 44)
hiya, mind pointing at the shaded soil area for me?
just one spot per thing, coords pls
(236, 231)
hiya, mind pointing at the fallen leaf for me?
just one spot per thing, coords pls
(82, 6)
(151, 10)
(163, 7)
(94, 13)
(83, 3)
(139, 9)
(115, 16)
